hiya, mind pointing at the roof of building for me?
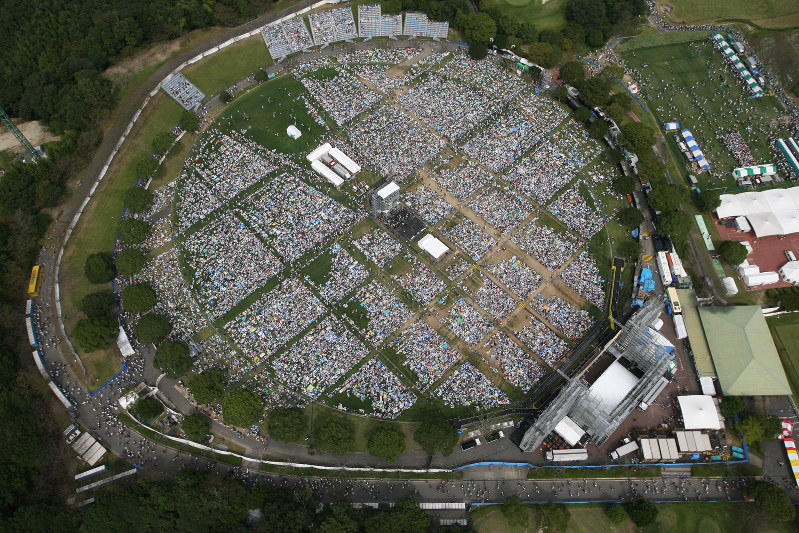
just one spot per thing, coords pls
(569, 430)
(704, 363)
(743, 351)
(612, 386)
(433, 246)
(388, 189)
(699, 412)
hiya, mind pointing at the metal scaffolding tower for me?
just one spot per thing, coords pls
(638, 344)
(8, 123)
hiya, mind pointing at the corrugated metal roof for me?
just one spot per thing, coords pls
(704, 362)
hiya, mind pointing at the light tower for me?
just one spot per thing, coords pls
(7, 122)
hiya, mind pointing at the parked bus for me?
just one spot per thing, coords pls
(35, 282)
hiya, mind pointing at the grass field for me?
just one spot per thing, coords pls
(229, 65)
(785, 330)
(672, 517)
(709, 102)
(765, 13)
(544, 15)
(779, 52)
(288, 108)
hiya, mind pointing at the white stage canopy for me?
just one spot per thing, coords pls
(569, 430)
(771, 212)
(612, 386)
(699, 412)
(433, 246)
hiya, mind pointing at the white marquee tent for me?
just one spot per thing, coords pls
(699, 412)
(771, 212)
(790, 272)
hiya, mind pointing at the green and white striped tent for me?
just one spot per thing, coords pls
(757, 170)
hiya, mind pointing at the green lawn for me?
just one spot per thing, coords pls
(703, 102)
(544, 15)
(672, 518)
(254, 111)
(229, 65)
(785, 330)
(765, 13)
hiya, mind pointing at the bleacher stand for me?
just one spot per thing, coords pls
(287, 37)
(437, 30)
(183, 91)
(369, 20)
(390, 25)
(415, 24)
(332, 25)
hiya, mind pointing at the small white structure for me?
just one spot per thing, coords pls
(729, 286)
(693, 441)
(326, 173)
(345, 161)
(433, 246)
(387, 190)
(124, 343)
(293, 132)
(318, 152)
(790, 272)
(129, 399)
(699, 412)
(742, 224)
(569, 430)
(761, 278)
(708, 389)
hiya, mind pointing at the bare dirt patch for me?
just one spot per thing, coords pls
(33, 130)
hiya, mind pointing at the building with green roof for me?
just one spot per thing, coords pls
(744, 355)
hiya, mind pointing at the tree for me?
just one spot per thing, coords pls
(515, 512)
(598, 129)
(207, 386)
(287, 424)
(629, 248)
(162, 141)
(772, 503)
(561, 93)
(582, 114)
(553, 517)
(595, 92)
(731, 406)
(638, 136)
(195, 426)
(733, 252)
(152, 328)
(387, 442)
(755, 428)
(133, 231)
(642, 512)
(650, 168)
(630, 217)
(404, 517)
(435, 433)
(129, 261)
(242, 408)
(148, 408)
(478, 51)
(48, 194)
(189, 120)
(616, 513)
(225, 97)
(146, 167)
(261, 75)
(572, 72)
(676, 225)
(97, 333)
(335, 435)
(544, 54)
(624, 184)
(137, 199)
(667, 197)
(98, 268)
(173, 357)
(476, 27)
(614, 70)
(138, 298)
(594, 38)
(708, 200)
(97, 304)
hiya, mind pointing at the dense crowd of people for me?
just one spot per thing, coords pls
(582, 275)
(342, 96)
(427, 204)
(733, 141)
(471, 238)
(320, 358)
(572, 209)
(542, 341)
(463, 180)
(378, 246)
(502, 209)
(375, 383)
(385, 312)
(468, 386)
(517, 275)
(333, 25)
(572, 321)
(498, 303)
(420, 281)
(518, 367)
(550, 248)
(466, 322)
(426, 353)
(345, 275)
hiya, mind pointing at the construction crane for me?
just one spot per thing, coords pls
(8, 123)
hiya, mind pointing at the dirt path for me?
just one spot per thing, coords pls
(33, 130)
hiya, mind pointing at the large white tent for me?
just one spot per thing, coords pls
(433, 246)
(612, 386)
(771, 212)
(790, 272)
(569, 430)
(699, 412)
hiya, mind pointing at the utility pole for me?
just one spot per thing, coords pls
(6, 121)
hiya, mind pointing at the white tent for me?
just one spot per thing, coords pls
(729, 285)
(318, 152)
(612, 386)
(748, 270)
(345, 160)
(699, 412)
(779, 200)
(742, 224)
(293, 132)
(765, 224)
(326, 173)
(569, 430)
(790, 272)
(761, 278)
(771, 212)
(388, 189)
(124, 343)
(433, 246)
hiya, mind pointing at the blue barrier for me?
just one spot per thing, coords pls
(590, 62)
(631, 94)
(124, 368)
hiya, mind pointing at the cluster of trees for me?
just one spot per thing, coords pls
(549, 517)
(788, 297)
(733, 252)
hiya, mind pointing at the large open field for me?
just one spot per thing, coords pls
(785, 330)
(764, 13)
(686, 82)
(545, 15)
(779, 52)
(229, 65)
(672, 517)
